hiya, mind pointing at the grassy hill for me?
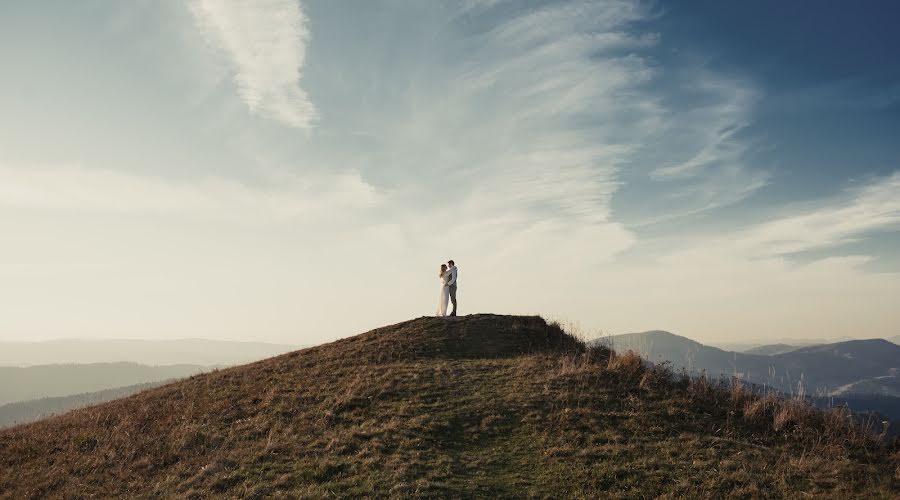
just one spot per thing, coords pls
(483, 405)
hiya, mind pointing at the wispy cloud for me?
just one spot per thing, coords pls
(856, 213)
(875, 206)
(535, 120)
(704, 163)
(531, 117)
(82, 189)
(265, 43)
(753, 285)
(573, 88)
(711, 125)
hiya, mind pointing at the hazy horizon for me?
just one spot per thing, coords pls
(293, 172)
(149, 352)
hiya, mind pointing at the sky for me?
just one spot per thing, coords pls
(296, 171)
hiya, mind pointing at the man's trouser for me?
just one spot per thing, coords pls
(453, 299)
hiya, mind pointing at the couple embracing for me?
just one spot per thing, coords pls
(448, 276)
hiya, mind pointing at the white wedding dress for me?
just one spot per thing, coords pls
(445, 294)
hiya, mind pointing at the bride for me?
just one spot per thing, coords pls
(445, 290)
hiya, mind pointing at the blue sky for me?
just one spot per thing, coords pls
(296, 171)
(829, 76)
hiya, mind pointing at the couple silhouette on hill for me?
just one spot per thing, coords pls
(448, 275)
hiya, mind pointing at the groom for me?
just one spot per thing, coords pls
(451, 267)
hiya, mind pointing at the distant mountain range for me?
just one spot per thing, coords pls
(771, 349)
(755, 346)
(35, 382)
(42, 378)
(29, 411)
(820, 369)
(861, 374)
(783, 347)
(147, 352)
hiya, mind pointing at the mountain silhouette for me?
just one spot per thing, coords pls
(817, 369)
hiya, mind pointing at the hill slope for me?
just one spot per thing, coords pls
(483, 405)
(841, 363)
(884, 386)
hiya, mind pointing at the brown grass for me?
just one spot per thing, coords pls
(484, 405)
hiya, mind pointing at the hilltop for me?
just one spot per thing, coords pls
(482, 405)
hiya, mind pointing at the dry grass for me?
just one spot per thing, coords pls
(478, 406)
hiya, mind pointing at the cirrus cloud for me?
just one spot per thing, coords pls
(265, 43)
(74, 188)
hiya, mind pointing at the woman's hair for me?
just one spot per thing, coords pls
(443, 269)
